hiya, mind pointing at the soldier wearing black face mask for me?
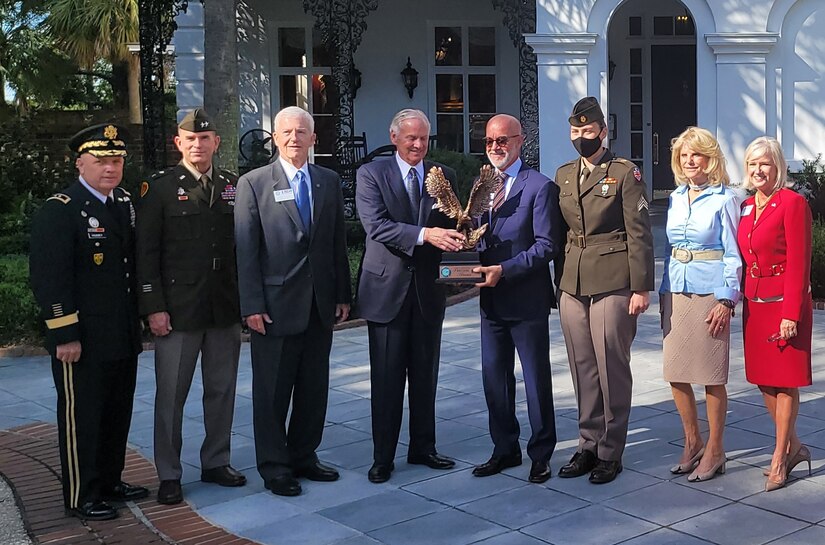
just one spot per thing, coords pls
(607, 273)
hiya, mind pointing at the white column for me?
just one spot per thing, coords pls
(741, 92)
(562, 80)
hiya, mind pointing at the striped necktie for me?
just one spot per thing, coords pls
(501, 191)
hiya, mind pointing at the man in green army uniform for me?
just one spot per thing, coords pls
(608, 272)
(189, 291)
(82, 275)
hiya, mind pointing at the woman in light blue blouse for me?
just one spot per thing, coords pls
(699, 292)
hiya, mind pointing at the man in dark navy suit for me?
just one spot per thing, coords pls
(523, 233)
(397, 293)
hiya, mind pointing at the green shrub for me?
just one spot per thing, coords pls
(465, 166)
(810, 182)
(19, 314)
(818, 260)
(354, 253)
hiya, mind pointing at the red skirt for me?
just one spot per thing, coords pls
(780, 364)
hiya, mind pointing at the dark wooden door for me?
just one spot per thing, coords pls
(673, 101)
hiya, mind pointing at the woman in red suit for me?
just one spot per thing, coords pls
(775, 241)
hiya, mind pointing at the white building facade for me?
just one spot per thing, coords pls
(740, 68)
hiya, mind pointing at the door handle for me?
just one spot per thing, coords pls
(655, 148)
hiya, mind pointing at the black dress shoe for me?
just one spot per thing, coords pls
(317, 472)
(433, 461)
(540, 472)
(284, 485)
(93, 510)
(605, 471)
(581, 463)
(380, 473)
(223, 476)
(170, 492)
(124, 492)
(496, 464)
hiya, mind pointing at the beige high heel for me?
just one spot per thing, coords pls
(690, 465)
(802, 455)
(717, 469)
(771, 484)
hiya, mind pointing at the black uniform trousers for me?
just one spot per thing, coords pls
(94, 411)
(406, 349)
(499, 341)
(284, 368)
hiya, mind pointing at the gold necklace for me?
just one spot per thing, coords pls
(767, 199)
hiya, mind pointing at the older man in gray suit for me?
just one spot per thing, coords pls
(294, 283)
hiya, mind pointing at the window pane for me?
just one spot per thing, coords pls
(635, 89)
(325, 131)
(636, 146)
(481, 93)
(451, 132)
(685, 26)
(478, 128)
(295, 91)
(634, 26)
(635, 61)
(449, 93)
(321, 54)
(324, 95)
(447, 46)
(482, 46)
(636, 118)
(291, 47)
(663, 26)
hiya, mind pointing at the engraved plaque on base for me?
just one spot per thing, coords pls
(457, 268)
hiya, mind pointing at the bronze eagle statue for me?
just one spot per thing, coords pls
(479, 202)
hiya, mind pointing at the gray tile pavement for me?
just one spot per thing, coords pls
(646, 505)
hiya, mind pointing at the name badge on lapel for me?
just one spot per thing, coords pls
(747, 210)
(282, 195)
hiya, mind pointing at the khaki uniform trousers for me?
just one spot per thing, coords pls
(598, 333)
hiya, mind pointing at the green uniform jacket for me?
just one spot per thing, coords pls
(609, 243)
(186, 250)
(83, 276)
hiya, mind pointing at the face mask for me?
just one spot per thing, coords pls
(587, 146)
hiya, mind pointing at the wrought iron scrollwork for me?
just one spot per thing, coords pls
(520, 19)
(342, 24)
(157, 24)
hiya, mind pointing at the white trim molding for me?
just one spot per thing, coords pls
(742, 48)
(563, 48)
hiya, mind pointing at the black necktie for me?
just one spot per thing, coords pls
(207, 188)
(414, 193)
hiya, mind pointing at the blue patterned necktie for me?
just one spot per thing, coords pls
(414, 193)
(302, 200)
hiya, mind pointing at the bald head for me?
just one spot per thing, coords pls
(503, 140)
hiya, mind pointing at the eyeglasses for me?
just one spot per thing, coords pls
(777, 338)
(501, 140)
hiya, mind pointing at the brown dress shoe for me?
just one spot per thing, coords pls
(170, 492)
(223, 476)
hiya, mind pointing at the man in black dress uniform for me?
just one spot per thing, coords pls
(82, 274)
(189, 292)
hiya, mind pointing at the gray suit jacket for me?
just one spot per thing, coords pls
(279, 265)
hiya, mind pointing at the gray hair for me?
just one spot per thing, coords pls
(766, 145)
(295, 111)
(407, 114)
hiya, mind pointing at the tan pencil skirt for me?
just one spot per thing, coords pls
(691, 355)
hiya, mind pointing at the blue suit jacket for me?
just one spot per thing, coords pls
(523, 236)
(391, 258)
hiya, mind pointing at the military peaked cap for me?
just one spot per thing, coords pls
(586, 111)
(104, 140)
(197, 121)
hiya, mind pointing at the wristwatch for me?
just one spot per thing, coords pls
(727, 302)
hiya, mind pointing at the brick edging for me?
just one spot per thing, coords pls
(23, 350)
(30, 462)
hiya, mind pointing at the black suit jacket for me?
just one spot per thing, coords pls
(83, 274)
(391, 258)
(281, 267)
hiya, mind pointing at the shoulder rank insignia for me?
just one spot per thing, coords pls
(144, 189)
(62, 197)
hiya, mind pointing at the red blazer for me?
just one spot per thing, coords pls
(776, 251)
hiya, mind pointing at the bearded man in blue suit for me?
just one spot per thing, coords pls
(522, 238)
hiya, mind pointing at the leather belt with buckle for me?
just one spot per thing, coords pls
(683, 255)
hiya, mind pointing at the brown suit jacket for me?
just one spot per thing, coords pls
(609, 243)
